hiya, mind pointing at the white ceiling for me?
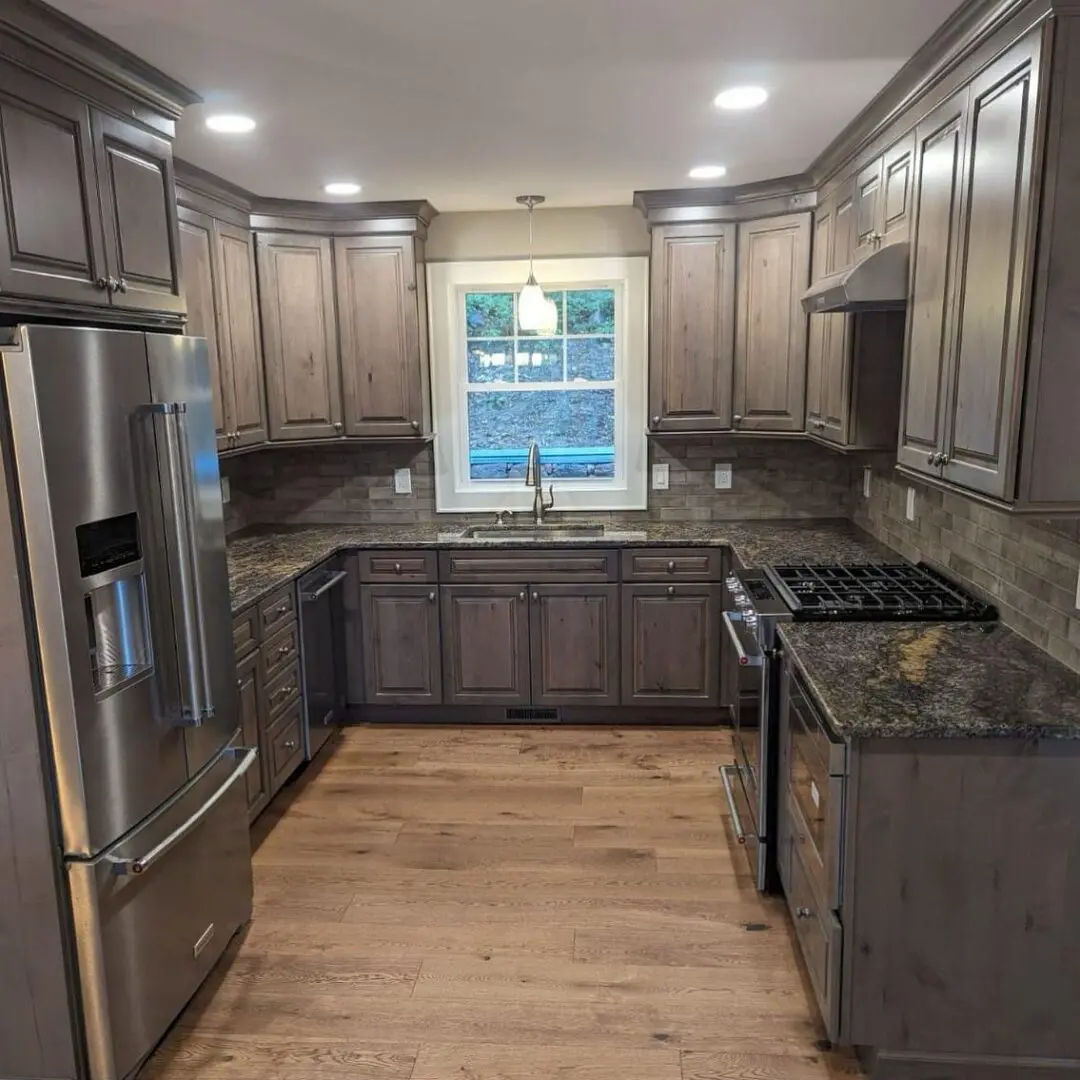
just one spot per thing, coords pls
(471, 102)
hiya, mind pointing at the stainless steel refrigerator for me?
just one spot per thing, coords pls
(114, 482)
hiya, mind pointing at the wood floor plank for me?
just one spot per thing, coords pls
(505, 904)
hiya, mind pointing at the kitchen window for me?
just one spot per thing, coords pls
(577, 389)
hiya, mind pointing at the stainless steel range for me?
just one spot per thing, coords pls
(755, 603)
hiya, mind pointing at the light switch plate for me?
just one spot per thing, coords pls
(723, 477)
(867, 477)
(402, 481)
(911, 504)
(661, 478)
(226, 491)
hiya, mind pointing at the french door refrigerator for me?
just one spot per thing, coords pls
(118, 497)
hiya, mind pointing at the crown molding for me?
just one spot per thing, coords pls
(767, 198)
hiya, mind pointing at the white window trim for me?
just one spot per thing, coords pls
(455, 491)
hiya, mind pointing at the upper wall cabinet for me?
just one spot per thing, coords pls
(692, 345)
(222, 305)
(882, 199)
(89, 217)
(771, 326)
(972, 275)
(384, 361)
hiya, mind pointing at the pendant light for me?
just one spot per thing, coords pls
(535, 311)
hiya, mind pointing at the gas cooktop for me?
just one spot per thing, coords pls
(900, 592)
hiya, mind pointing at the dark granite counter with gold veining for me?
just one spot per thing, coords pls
(935, 680)
(262, 559)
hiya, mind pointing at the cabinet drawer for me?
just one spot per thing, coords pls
(279, 652)
(276, 611)
(279, 693)
(820, 938)
(384, 567)
(245, 633)
(285, 746)
(532, 567)
(673, 564)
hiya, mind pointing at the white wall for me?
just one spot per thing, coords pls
(560, 233)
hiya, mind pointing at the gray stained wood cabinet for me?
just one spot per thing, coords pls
(671, 644)
(515, 645)
(771, 326)
(883, 197)
(218, 262)
(401, 644)
(384, 360)
(300, 342)
(90, 211)
(247, 685)
(692, 335)
(973, 232)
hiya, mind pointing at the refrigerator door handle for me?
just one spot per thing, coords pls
(125, 867)
(197, 704)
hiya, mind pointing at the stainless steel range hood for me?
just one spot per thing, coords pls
(878, 283)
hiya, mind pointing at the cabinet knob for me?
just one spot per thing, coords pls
(397, 568)
(339, 427)
(656, 421)
(671, 567)
(944, 459)
(736, 419)
(291, 745)
(521, 595)
(101, 283)
(415, 425)
(671, 590)
(931, 458)
(284, 651)
(803, 912)
(431, 596)
(536, 597)
(282, 609)
(239, 684)
(121, 285)
(411, 286)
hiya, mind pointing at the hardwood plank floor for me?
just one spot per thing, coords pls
(505, 904)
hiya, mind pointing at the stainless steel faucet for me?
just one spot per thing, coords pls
(534, 479)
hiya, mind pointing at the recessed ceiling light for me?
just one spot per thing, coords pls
(342, 187)
(708, 172)
(230, 124)
(741, 97)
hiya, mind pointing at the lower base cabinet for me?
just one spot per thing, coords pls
(400, 632)
(671, 645)
(247, 684)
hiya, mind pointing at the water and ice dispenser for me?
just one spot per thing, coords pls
(117, 620)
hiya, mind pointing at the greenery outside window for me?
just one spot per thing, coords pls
(577, 390)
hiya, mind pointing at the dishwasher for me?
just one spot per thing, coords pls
(322, 645)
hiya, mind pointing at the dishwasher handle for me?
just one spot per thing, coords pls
(308, 596)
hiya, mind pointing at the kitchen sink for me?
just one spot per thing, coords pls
(533, 532)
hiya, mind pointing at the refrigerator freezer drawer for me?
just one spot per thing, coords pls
(148, 930)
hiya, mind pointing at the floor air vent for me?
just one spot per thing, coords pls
(532, 715)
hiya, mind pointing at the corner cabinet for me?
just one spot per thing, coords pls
(383, 328)
(222, 305)
(89, 218)
(771, 326)
(692, 337)
(972, 256)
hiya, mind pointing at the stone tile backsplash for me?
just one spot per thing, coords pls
(772, 478)
(1028, 567)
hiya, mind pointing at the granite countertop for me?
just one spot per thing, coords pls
(935, 680)
(263, 559)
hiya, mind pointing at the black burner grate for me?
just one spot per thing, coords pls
(876, 592)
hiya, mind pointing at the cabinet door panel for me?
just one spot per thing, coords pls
(844, 229)
(52, 244)
(836, 378)
(138, 206)
(238, 302)
(575, 644)
(818, 339)
(485, 638)
(868, 196)
(897, 188)
(770, 349)
(981, 442)
(380, 336)
(252, 734)
(693, 329)
(200, 277)
(931, 329)
(400, 626)
(303, 373)
(671, 644)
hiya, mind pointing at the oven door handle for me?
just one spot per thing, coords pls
(746, 659)
(736, 822)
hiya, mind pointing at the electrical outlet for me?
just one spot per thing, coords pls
(402, 481)
(226, 492)
(723, 477)
(911, 504)
(867, 478)
(661, 478)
